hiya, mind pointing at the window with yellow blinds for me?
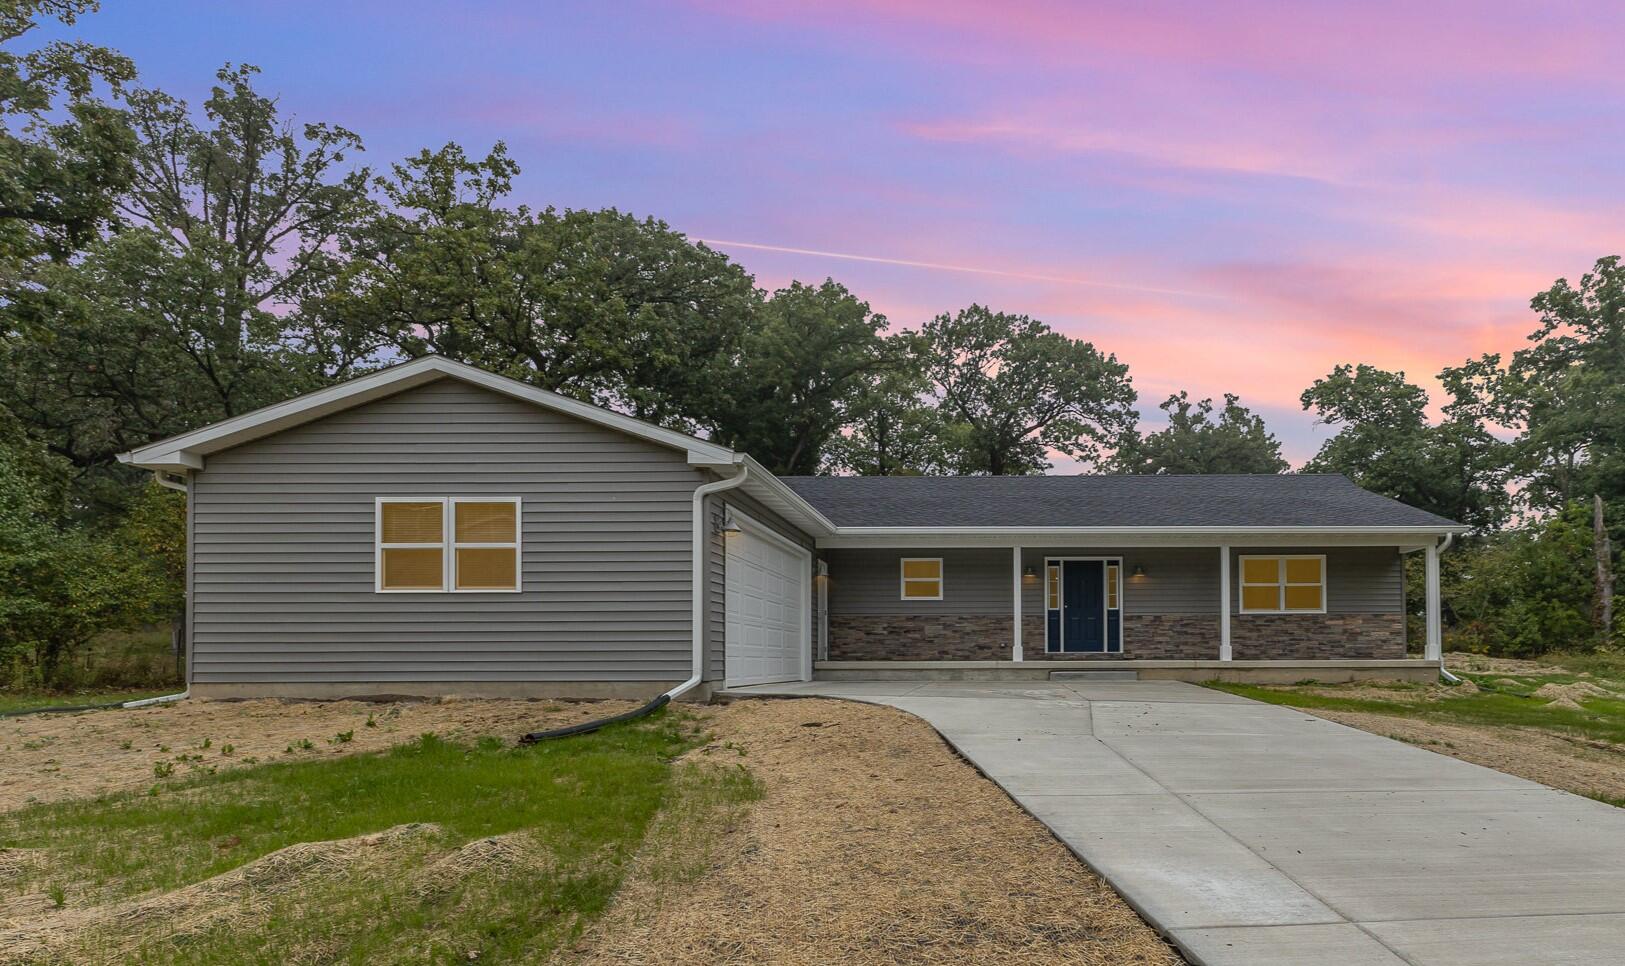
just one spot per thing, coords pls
(922, 578)
(485, 548)
(440, 544)
(1283, 584)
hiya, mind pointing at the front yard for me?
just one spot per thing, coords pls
(1560, 722)
(319, 832)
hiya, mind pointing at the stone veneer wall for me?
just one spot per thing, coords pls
(913, 637)
(1317, 637)
(1146, 637)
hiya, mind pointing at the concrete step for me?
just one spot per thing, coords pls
(1094, 675)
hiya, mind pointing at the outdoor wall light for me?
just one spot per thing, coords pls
(1139, 571)
(1028, 573)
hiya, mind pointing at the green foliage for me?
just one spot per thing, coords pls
(893, 427)
(168, 323)
(1193, 442)
(153, 531)
(64, 152)
(1566, 391)
(803, 371)
(598, 305)
(61, 583)
(1456, 469)
(1527, 591)
(1012, 391)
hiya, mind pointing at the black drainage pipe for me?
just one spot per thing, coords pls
(587, 727)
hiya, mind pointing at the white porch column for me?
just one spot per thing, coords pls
(1435, 640)
(1015, 584)
(1224, 603)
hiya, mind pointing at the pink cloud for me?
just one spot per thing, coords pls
(1376, 44)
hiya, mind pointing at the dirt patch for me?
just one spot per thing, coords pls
(55, 757)
(872, 843)
(1573, 764)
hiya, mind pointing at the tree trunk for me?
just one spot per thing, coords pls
(1605, 570)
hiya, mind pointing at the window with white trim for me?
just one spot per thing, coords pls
(922, 578)
(1283, 584)
(441, 544)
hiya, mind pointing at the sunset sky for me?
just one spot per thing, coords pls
(1229, 196)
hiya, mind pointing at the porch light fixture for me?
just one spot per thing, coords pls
(1028, 573)
(727, 524)
(1139, 571)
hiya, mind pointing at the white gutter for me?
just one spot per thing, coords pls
(1140, 531)
(1444, 545)
(698, 566)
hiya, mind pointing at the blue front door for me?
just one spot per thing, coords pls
(1083, 605)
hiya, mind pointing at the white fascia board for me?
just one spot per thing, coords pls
(779, 495)
(865, 537)
(771, 492)
(187, 450)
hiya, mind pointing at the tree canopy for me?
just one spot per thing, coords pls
(1013, 390)
(1194, 442)
(1385, 443)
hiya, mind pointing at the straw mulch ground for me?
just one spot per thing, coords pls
(52, 757)
(873, 842)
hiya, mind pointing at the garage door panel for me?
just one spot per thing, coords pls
(765, 611)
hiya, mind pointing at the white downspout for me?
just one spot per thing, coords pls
(162, 480)
(698, 583)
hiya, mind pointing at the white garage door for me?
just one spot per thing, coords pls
(768, 589)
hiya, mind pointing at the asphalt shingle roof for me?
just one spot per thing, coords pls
(1287, 500)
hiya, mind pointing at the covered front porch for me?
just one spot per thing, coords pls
(1324, 606)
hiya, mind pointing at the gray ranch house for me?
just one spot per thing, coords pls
(433, 528)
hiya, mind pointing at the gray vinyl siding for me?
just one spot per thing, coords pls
(283, 549)
(1178, 580)
(716, 604)
(974, 582)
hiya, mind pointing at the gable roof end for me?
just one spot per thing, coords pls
(179, 454)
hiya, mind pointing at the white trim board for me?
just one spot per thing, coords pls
(924, 538)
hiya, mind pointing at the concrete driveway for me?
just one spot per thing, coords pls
(1256, 835)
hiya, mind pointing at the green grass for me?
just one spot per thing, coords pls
(585, 801)
(117, 666)
(1598, 664)
(1502, 700)
(31, 700)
